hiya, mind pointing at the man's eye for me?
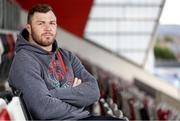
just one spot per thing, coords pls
(53, 23)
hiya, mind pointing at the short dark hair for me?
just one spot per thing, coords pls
(42, 8)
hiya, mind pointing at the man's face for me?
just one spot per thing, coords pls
(42, 28)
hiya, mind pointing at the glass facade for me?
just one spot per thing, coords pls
(126, 27)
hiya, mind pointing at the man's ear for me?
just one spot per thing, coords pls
(28, 27)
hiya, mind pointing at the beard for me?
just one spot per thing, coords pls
(45, 39)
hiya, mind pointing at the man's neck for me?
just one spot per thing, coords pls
(48, 48)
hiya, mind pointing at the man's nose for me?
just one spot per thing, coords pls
(47, 27)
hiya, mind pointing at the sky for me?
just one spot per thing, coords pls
(170, 14)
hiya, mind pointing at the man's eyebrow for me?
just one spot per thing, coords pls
(53, 21)
(39, 21)
(44, 21)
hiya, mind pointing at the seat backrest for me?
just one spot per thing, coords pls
(5, 97)
(18, 93)
(10, 107)
(15, 110)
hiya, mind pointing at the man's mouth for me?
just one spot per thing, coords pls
(47, 34)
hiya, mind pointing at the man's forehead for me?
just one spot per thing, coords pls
(40, 16)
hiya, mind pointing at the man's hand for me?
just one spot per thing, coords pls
(76, 82)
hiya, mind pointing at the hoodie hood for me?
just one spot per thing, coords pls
(23, 43)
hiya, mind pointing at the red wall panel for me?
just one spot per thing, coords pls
(72, 15)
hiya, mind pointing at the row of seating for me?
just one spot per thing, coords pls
(110, 108)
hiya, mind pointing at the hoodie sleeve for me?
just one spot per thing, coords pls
(25, 74)
(82, 95)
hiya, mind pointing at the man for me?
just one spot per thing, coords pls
(54, 83)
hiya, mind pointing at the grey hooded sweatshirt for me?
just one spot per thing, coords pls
(46, 79)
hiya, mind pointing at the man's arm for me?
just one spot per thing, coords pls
(85, 93)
